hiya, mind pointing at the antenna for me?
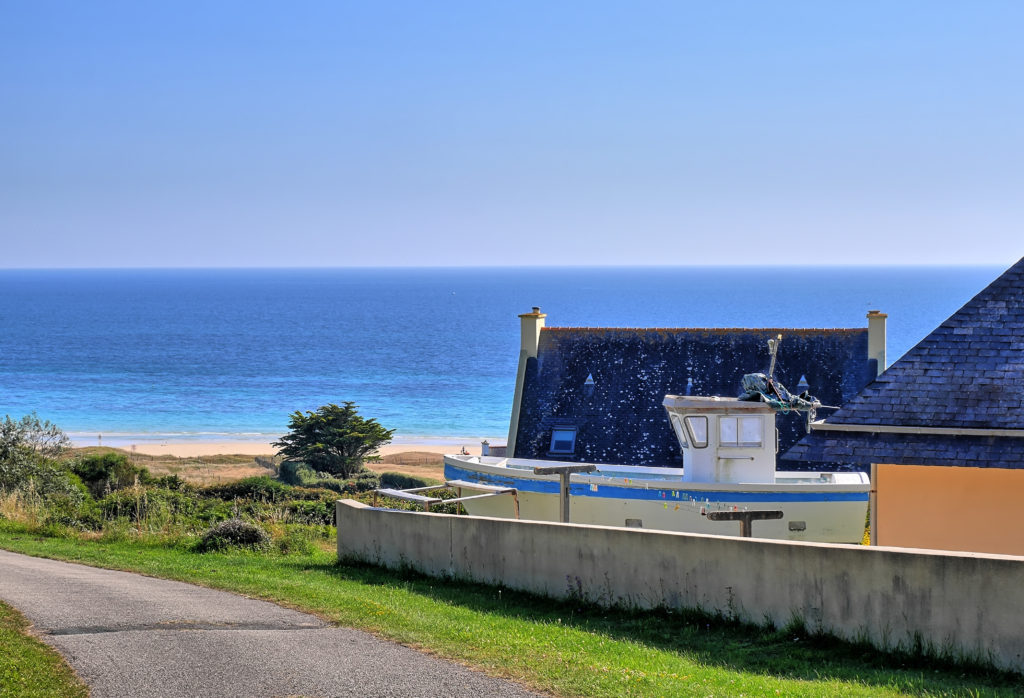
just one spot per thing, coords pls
(773, 349)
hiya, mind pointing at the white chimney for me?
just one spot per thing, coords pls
(876, 338)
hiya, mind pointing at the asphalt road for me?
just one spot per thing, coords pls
(129, 635)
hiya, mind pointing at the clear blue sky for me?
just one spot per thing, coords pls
(375, 133)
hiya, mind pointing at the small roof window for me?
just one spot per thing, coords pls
(563, 440)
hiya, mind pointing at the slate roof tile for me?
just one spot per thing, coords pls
(947, 379)
(620, 419)
(967, 374)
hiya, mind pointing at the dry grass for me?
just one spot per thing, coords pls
(220, 469)
(200, 470)
(15, 506)
(417, 463)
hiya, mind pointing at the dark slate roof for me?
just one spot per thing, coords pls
(968, 373)
(864, 448)
(620, 418)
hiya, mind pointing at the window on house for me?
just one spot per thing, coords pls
(697, 428)
(739, 432)
(563, 440)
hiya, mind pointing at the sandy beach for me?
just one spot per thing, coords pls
(193, 449)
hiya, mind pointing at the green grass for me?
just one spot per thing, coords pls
(27, 666)
(560, 647)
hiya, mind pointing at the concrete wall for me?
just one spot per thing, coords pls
(970, 604)
(950, 508)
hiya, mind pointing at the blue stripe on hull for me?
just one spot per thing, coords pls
(452, 472)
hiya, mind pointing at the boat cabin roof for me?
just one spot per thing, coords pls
(699, 403)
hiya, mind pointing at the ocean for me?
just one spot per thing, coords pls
(430, 352)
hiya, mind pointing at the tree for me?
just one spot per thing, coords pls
(27, 447)
(334, 439)
(31, 436)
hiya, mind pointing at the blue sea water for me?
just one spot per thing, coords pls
(430, 352)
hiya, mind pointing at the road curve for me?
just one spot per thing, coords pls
(129, 635)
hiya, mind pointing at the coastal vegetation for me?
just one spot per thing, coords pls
(334, 439)
(272, 537)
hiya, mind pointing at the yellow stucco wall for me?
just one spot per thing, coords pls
(969, 509)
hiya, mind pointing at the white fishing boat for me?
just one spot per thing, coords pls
(728, 482)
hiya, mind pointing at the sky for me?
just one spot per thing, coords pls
(240, 134)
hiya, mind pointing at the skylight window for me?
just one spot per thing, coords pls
(563, 440)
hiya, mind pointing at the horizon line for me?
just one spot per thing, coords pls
(836, 265)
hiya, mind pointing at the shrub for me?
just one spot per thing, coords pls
(261, 488)
(73, 513)
(300, 474)
(109, 472)
(294, 473)
(173, 482)
(401, 481)
(233, 533)
(37, 476)
(312, 512)
(366, 480)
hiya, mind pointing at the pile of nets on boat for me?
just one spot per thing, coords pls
(757, 387)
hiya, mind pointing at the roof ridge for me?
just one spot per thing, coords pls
(570, 328)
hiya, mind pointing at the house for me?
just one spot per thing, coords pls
(595, 394)
(943, 431)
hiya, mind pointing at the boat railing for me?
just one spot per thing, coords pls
(413, 494)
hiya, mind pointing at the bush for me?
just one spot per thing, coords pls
(366, 480)
(233, 533)
(401, 481)
(108, 472)
(73, 513)
(294, 473)
(172, 482)
(261, 488)
(301, 475)
(319, 511)
(34, 475)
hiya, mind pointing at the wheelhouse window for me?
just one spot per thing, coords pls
(677, 427)
(740, 432)
(563, 440)
(697, 429)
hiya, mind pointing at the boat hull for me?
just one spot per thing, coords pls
(821, 507)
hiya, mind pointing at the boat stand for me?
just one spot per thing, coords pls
(564, 473)
(746, 518)
(411, 495)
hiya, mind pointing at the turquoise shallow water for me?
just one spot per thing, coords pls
(220, 354)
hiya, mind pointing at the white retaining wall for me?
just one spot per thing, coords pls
(970, 604)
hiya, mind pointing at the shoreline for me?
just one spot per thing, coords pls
(192, 446)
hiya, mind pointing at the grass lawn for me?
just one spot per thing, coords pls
(554, 646)
(27, 666)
